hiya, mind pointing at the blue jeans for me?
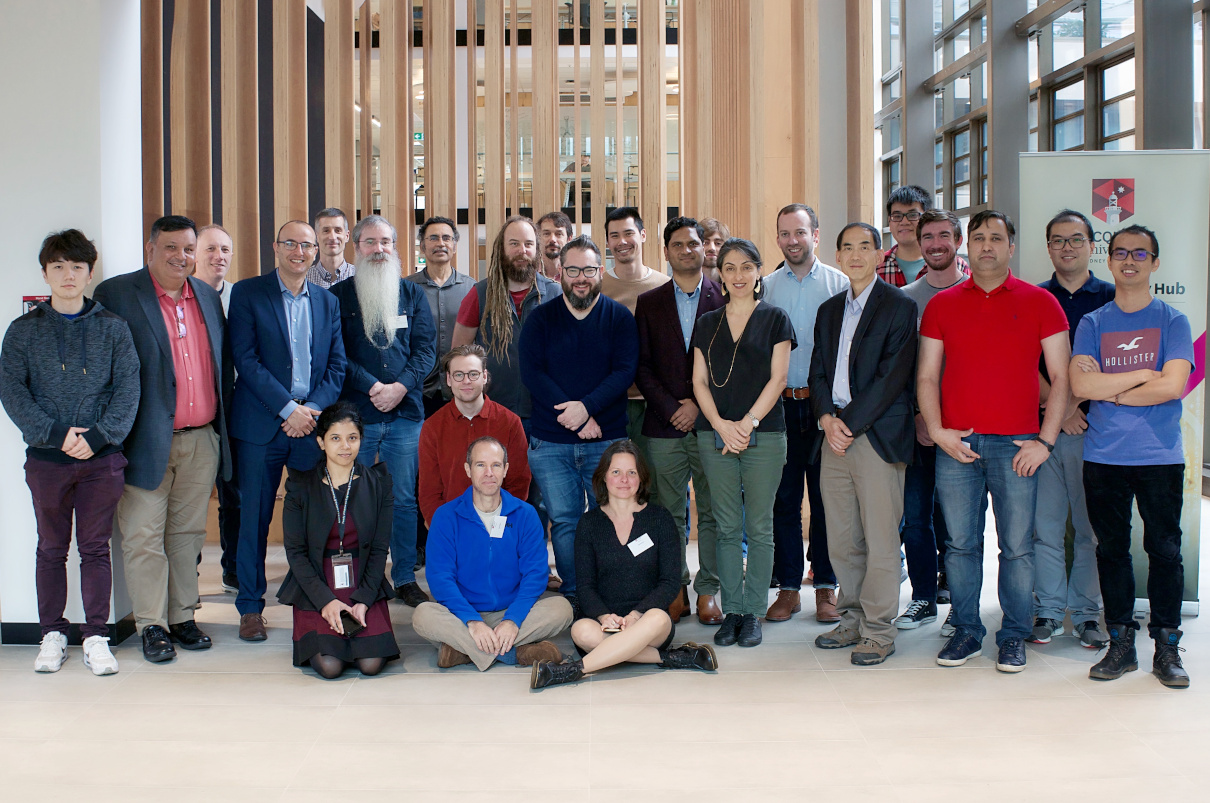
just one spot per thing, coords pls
(397, 443)
(564, 473)
(922, 531)
(962, 488)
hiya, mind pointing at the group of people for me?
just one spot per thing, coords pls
(450, 423)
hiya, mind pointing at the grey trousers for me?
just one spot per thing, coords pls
(675, 460)
(549, 617)
(1060, 494)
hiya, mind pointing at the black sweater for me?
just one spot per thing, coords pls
(609, 579)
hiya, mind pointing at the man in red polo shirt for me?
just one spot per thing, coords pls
(446, 434)
(990, 331)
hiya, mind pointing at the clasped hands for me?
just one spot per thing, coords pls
(301, 422)
(74, 444)
(387, 397)
(574, 416)
(735, 434)
(493, 640)
(612, 621)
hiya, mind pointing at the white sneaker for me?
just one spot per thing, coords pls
(54, 650)
(97, 656)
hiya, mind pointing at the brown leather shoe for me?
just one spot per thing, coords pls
(785, 606)
(447, 656)
(252, 627)
(825, 605)
(708, 612)
(528, 654)
(680, 605)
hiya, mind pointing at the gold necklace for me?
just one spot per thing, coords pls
(734, 352)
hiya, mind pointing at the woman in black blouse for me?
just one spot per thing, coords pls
(628, 571)
(741, 359)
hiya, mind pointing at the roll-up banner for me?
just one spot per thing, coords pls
(1169, 193)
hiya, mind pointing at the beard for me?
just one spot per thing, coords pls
(519, 269)
(377, 284)
(552, 251)
(584, 303)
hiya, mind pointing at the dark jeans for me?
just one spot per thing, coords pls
(1109, 492)
(228, 519)
(788, 563)
(432, 404)
(90, 489)
(923, 529)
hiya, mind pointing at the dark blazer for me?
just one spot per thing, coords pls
(260, 347)
(665, 373)
(307, 518)
(132, 296)
(882, 365)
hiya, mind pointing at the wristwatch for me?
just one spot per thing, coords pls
(755, 421)
(1050, 447)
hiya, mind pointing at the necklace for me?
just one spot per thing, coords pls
(710, 363)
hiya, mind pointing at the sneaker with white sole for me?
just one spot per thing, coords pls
(53, 652)
(97, 656)
(919, 612)
(1091, 636)
(1044, 630)
(947, 627)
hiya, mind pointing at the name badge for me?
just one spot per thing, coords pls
(400, 322)
(497, 528)
(342, 570)
(640, 545)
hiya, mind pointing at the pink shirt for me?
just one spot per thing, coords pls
(196, 396)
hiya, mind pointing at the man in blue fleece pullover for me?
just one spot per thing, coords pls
(487, 568)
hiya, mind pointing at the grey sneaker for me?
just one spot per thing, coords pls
(947, 627)
(837, 637)
(1044, 630)
(1090, 635)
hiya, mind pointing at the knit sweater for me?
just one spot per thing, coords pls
(57, 373)
(610, 578)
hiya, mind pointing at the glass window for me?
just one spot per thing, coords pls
(1033, 124)
(1199, 90)
(961, 168)
(962, 44)
(939, 174)
(1117, 20)
(1068, 107)
(1069, 134)
(1067, 33)
(1117, 109)
(1118, 79)
(1117, 117)
(1069, 100)
(1124, 144)
(1033, 58)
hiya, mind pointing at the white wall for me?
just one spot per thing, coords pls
(70, 157)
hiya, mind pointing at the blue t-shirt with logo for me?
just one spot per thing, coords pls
(1128, 341)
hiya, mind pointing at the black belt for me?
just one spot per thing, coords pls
(190, 429)
(299, 402)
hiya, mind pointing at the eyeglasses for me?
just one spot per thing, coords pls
(436, 238)
(899, 217)
(290, 245)
(461, 376)
(385, 243)
(1059, 243)
(1138, 254)
(180, 321)
(571, 271)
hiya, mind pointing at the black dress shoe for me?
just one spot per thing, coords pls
(411, 594)
(230, 583)
(728, 631)
(749, 631)
(189, 636)
(157, 647)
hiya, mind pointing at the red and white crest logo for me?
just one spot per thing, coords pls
(1113, 199)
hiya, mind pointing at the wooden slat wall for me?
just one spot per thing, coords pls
(189, 87)
(545, 53)
(469, 251)
(289, 112)
(514, 108)
(240, 156)
(439, 96)
(340, 158)
(366, 123)
(597, 120)
(859, 76)
(395, 77)
(804, 55)
(653, 129)
(493, 119)
(153, 112)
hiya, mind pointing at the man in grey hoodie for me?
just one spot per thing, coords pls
(69, 379)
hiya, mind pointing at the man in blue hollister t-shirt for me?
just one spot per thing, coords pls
(1132, 358)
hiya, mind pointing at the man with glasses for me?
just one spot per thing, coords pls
(390, 342)
(1132, 359)
(332, 231)
(1061, 478)
(444, 288)
(179, 440)
(286, 345)
(904, 262)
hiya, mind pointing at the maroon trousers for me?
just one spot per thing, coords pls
(90, 490)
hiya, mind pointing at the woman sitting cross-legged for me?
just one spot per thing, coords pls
(628, 571)
(336, 529)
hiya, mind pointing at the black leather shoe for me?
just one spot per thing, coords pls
(189, 636)
(157, 647)
(728, 631)
(230, 583)
(411, 594)
(749, 631)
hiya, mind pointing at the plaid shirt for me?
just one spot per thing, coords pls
(318, 274)
(891, 273)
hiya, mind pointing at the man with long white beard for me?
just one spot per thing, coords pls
(390, 342)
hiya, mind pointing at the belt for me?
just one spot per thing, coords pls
(190, 429)
(299, 402)
(798, 394)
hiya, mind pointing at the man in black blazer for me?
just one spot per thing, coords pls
(861, 394)
(179, 440)
(666, 317)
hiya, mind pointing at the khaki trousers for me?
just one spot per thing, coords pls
(433, 621)
(162, 532)
(863, 502)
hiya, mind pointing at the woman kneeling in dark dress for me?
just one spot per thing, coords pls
(336, 525)
(628, 571)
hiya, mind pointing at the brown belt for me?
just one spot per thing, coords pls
(798, 394)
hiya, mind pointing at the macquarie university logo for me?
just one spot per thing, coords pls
(1130, 351)
(1113, 199)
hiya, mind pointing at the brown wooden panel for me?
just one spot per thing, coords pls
(514, 134)
(241, 172)
(597, 118)
(576, 197)
(395, 78)
(619, 75)
(289, 111)
(493, 118)
(366, 124)
(804, 55)
(468, 258)
(189, 118)
(340, 156)
(653, 130)
(859, 77)
(152, 38)
(440, 93)
(545, 53)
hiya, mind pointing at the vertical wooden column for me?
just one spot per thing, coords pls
(653, 127)
(804, 64)
(597, 115)
(241, 160)
(395, 76)
(439, 96)
(545, 94)
(493, 119)
(469, 259)
(289, 111)
(619, 110)
(577, 197)
(366, 123)
(514, 103)
(189, 111)
(340, 162)
(859, 83)
(153, 111)
(697, 107)
(730, 44)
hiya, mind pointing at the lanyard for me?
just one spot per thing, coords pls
(341, 510)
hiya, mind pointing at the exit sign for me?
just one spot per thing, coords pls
(418, 136)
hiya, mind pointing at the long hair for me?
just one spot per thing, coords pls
(498, 306)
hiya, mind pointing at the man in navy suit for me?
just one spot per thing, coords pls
(286, 345)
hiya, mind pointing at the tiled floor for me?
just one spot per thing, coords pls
(239, 723)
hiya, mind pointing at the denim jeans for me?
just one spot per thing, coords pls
(1109, 492)
(962, 488)
(564, 473)
(788, 562)
(397, 443)
(923, 531)
(1061, 493)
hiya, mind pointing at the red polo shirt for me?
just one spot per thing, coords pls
(443, 441)
(196, 397)
(992, 344)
